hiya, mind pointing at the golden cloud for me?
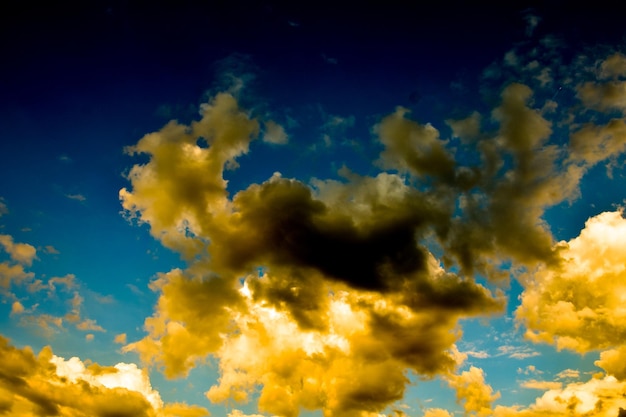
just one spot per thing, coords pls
(325, 295)
(472, 391)
(19, 252)
(585, 291)
(45, 384)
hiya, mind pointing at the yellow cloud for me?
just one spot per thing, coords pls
(613, 66)
(49, 385)
(541, 385)
(613, 361)
(472, 391)
(13, 274)
(19, 252)
(598, 397)
(437, 412)
(412, 147)
(182, 187)
(606, 96)
(579, 304)
(593, 143)
(325, 295)
(17, 308)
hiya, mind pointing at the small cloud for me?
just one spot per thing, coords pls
(68, 281)
(65, 159)
(275, 133)
(541, 385)
(529, 370)
(293, 24)
(19, 252)
(105, 299)
(89, 337)
(531, 23)
(524, 355)
(120, 339)
(77, 197)
(511, 59)
(481, 354)
(17, 308)
(51, 250)
(89, 324)
(517, 352)
(134, 289)
(568, 373)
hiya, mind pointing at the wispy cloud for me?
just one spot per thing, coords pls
(77, 197)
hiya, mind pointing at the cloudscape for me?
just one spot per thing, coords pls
(255, 209)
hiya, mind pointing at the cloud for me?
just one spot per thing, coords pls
(541, 385)
(51, 250)
(613, 361)
(412, 147)
(472, 391)
(275, 133)
(326, 295)
(614, 66)
(67, 281)
(17, 308)
(89, 325)
(568, 373)
(594, 143)
(531, 23)
(19, 252)
(45, 384)
(584, 290)
(13, 274)
(436, 412)
(77, 197)
(481, 354)
(601, 396)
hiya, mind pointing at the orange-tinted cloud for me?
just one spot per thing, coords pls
(45, 384)
(325, 295)
(578, 304)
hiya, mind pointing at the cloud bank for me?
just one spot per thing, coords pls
(327, 295)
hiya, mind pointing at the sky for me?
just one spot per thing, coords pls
(249, 208)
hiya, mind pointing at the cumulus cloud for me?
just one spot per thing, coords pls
(45, 384)
(601, 396)
(472, 391)
(329, 250)
(19, 252)
(274, 133)
(326, 295)
(585, 291)
(614, 66)
(613, 361)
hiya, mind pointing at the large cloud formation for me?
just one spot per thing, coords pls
(324, 295)
(47, 385)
